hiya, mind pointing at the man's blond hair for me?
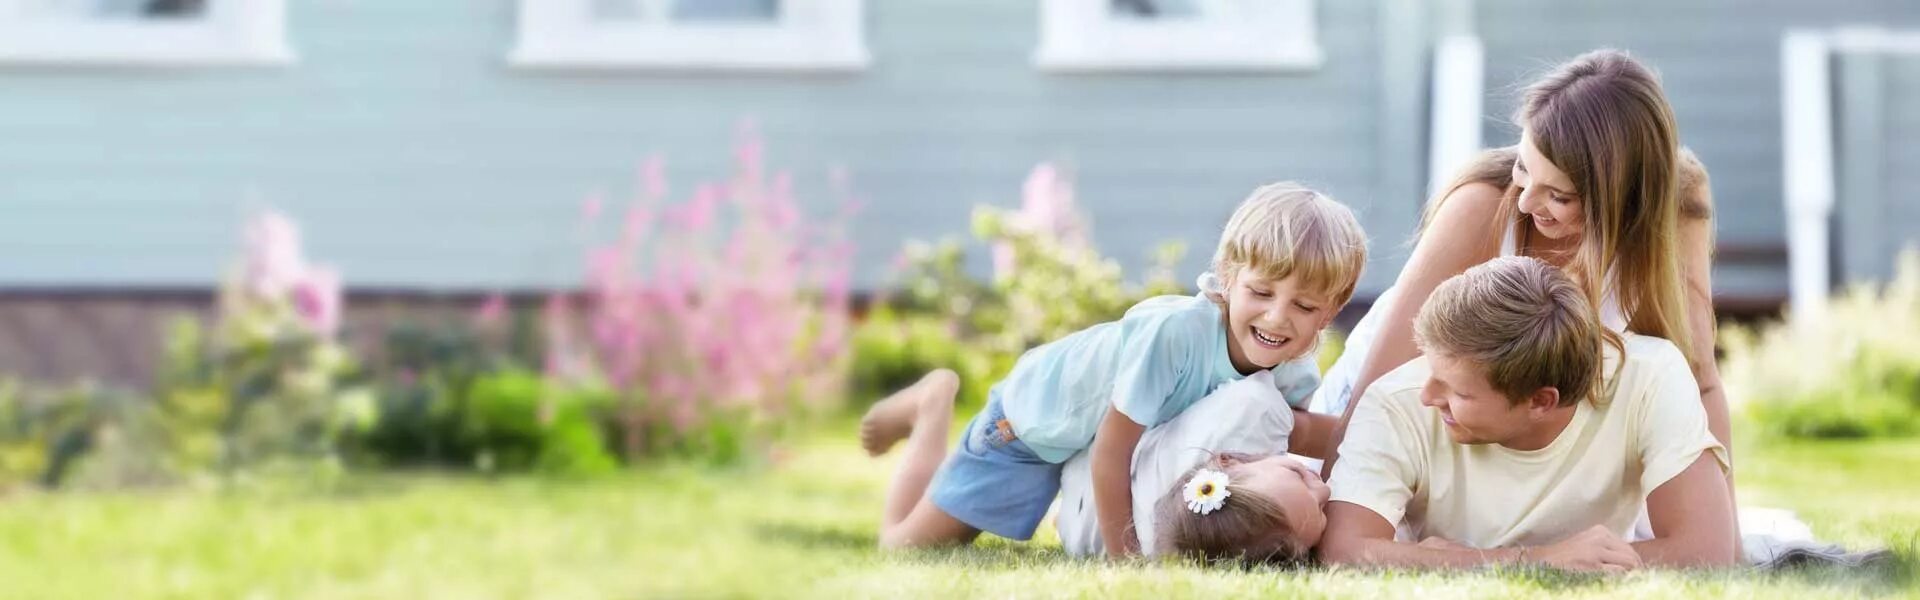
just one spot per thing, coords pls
(1523, 321)
(1287, 230)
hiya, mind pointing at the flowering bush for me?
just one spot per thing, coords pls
(1852, 370)
(269, 378)
(709, 319)
(1048, 281)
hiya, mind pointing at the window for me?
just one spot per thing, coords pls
(692, 35)
(1177, 35)
(144, 32)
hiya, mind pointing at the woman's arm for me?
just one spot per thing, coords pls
(1463, 233)
(1311, 432)
(1696, 269)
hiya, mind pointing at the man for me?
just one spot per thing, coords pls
(1529, 434)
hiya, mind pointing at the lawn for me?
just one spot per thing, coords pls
(801, 527)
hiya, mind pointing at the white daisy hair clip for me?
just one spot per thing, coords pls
(1206, 491)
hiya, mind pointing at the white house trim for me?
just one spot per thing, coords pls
(809, 36)
(1080, 36)
(232, 33)
(1459, 82)
(1806, 108)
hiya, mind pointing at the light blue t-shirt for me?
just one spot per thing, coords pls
(1165, 354)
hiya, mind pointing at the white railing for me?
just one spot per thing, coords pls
(1807, 125)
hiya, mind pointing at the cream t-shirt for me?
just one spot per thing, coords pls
(1397, 460)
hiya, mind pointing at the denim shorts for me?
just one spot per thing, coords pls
(993, 481)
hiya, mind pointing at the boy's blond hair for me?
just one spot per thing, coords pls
(1287, 230)
(1523, 321)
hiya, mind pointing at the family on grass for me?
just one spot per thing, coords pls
(1537, 387)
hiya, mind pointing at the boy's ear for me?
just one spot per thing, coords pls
(1544, 399)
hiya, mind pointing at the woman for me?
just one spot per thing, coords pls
(1599, 186)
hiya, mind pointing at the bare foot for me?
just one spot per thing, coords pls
(891, 419)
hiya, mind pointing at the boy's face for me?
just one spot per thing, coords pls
(1272, 321)
(1473, 411)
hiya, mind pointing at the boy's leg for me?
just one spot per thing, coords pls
(910, 518)
(894, 417)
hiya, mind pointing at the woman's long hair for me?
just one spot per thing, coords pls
(1603, 119)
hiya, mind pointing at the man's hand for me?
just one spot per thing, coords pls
(1440, 543)
(1595, 549)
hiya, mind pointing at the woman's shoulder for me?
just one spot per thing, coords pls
(1478, 189)
(1493, 166)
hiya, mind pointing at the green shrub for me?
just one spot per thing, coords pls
(84, 436)
(517, 421)
(891, 351)
(1851, 370)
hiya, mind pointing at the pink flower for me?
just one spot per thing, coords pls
(1047, 208)
(273, 261)
(493, 311)
(316, 299)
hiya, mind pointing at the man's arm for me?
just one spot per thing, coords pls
(1693, 519)
(1112, 455)
(1358, 536)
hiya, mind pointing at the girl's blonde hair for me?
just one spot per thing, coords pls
(1288, 230)
(1603, 119)
(1523, 322)
(1247, 526)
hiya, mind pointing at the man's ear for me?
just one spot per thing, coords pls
(1543, 400)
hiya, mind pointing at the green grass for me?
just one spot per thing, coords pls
(801, 527)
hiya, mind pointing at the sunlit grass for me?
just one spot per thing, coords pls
(802, 526)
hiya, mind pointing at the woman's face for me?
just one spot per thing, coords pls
(1297, 489)
(1547, 193)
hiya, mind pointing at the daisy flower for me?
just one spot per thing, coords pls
(1206, 491)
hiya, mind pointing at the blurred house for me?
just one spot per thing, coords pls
(440, 149)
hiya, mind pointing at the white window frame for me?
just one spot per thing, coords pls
(809, 36)
(1084, 36)
(232, 33)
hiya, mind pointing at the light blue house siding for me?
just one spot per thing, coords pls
(1720, 64)
(415, 158)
